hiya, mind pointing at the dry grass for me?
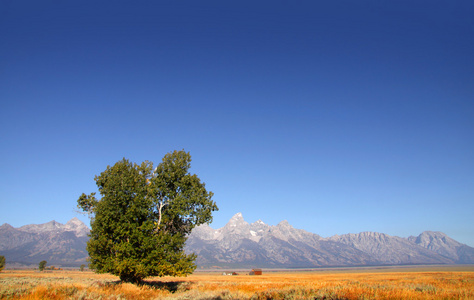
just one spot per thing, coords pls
(426, 283)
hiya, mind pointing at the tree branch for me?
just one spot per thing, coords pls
(160, 209)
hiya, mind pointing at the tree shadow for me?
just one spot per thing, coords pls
(171, 286)
(102, 284)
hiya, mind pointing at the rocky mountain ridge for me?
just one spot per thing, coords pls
(58, 244)
(74, 225)
(441, 243)
(242, 244)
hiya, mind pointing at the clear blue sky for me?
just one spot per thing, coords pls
(338, 116)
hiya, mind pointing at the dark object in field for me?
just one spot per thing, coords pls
(256, 272)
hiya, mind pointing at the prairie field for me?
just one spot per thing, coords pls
(371, 283)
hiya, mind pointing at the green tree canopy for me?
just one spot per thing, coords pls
(2, 262)
(42, 265)
(141, 222)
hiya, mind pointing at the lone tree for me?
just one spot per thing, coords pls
(2, 262)
(140, 224)
(42, 265)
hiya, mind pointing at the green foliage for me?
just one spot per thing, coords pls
(82, 268)
(140, 225)
(42, 265)
(2, 262)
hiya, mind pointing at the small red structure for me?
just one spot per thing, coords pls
(256, 272)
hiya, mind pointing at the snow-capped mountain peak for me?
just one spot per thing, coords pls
(77, 226)
(237, 220)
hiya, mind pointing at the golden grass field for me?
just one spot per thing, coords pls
(440, 282)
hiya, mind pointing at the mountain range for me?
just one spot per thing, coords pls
(242, 245)
(58, 244)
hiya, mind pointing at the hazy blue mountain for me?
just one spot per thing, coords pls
(58, 244)
(391, 250)
(444, 245)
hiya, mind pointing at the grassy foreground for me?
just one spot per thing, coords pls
(404, 283)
